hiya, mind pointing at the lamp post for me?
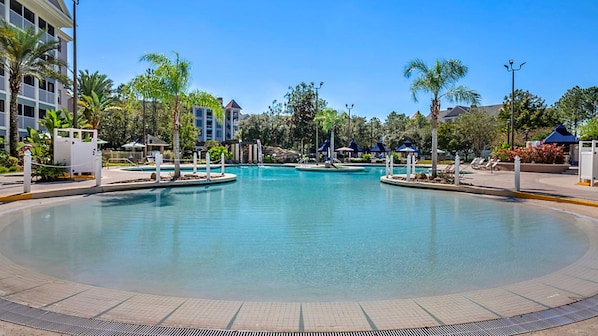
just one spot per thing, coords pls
(525, 132)
(316, 105)
(75, 3)
(508, 130)
(349, 108)
(512, 71)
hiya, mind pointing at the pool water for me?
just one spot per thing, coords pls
(278, 234)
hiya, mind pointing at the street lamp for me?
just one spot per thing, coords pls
(525, 132)
(512, 71)
(316, 105)
(349, 108)
(75, 3)
(508, 130)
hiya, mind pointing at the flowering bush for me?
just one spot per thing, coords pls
(546, 153)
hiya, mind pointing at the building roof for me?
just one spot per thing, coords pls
(233, 104)
(560, 135)
(453, 112)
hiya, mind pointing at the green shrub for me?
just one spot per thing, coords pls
(8, 161)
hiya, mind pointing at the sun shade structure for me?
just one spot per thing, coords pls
(344, 149)
(379, 148)
(407, 147)
(324, 146)
(354, 146)
(560, 135)
(133, 145)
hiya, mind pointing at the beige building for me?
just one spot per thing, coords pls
(36, 97)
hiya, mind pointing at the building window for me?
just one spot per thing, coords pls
(198, 112)
(41, 23)
(209, 112)
(42, 113)
(1, 69)
(50, 29)
(29, 111)
(218, 134)
(28, 15)
(2, 105)
(59, 96)
(16, 7)
(28, 80)
(50, 87)
(199, 123)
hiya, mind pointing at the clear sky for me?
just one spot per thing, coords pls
(252, 51)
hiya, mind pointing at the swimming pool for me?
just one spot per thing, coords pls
(282, 235)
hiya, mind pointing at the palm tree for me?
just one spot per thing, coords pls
(329, 119)
(173, 79)
(94, 106)
(441, 81)
(95, 82)
(23, 53)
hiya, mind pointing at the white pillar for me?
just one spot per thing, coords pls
(392, 165)
(208, 166)
(27, 172)
(158, 160)
(99, 168)
(194, 162)
(457, 159)
(222, 162)
(517, 173)
(408, 170)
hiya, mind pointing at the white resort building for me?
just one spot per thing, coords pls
(36, 97)
(211, 129)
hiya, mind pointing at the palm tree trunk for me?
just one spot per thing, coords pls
(14, 119)
(176, 140)
(435, 113)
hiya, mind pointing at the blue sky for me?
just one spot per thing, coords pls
(252, 51)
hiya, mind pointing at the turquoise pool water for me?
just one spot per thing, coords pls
(278, 234)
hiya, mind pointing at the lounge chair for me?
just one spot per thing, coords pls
(479, 164)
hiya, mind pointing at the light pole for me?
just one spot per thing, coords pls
(512, 71)
(349, 108)
(508, 130)
(75, 3)
(316, 105)
(525, 132)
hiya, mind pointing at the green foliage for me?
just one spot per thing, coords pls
(589, 130)
(211, 143)
(440, 80)
(577, 106)
(23, 53)
(530, 112)
(546, 153)
(216, 152)
(269, 159)
(188, 131)
(366, 157)
(41, 156)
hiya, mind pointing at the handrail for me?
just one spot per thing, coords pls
(122, 160)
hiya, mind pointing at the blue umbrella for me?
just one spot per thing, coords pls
(407, 146)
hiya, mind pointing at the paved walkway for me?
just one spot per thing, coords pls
(565, 286)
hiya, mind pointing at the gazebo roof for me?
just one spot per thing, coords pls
(560, 135)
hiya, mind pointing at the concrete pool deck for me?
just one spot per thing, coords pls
(568, 285)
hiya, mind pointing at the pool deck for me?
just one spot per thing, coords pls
(566, 286)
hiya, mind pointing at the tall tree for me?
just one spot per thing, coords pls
(24, 53)
(301, 103)
(173, 78)
(94, 106)
(329, 119)
(576, 106)
(477, 130)
(440, 81)
(530, 112)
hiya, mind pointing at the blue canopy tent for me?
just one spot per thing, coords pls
(324, 147)
(560, 135)
(354, 147)
(407, 147)
(379, 148)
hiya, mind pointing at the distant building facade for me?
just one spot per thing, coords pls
(451, 113)
(36, 97)
(211, 129)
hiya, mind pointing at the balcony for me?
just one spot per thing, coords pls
(16, 19)
(2, 86)
(25, 122)
(47, 96)
(28, 90)
(2, 116)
